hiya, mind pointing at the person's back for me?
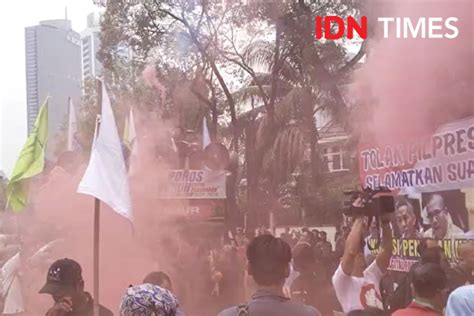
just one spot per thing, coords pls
(461, 302)
(268, 264)
(269, 303)
(306, 288)
(403, 295)
(429, 285)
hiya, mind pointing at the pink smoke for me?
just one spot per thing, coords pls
(413, 85)
(150, 78)
(126, 254)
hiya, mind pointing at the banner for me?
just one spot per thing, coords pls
(194, 184)
(443, 161)
(405, 251)
(433, 178)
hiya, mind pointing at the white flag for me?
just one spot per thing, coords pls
(206, 139)
(11, 287)
(106, 175)
(72, 128)
(130, 140)
(131, 134)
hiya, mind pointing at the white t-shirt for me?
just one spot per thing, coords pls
(358, 293)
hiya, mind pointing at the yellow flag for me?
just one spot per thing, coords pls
(30, 163)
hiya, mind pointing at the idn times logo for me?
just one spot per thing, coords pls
(334, 27)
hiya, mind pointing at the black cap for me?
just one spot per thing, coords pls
(63, 277)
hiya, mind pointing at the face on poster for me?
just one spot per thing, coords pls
(433, 179)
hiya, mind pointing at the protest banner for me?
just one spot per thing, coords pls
(405, 251)
(433, 178)
(194, 184)
(443, 161)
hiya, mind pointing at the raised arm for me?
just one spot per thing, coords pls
(353, 245)
(383, 257)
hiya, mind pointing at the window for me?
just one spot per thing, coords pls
(335, 159)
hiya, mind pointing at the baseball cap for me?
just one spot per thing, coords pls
(63, 276)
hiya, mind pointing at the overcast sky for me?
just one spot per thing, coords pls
(14, 17)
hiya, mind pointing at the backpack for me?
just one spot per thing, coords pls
(304, 289)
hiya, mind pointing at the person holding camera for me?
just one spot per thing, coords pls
(356, 284)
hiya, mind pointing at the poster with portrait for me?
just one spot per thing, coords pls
(433, 179)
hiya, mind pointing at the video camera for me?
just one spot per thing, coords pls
(372, 205)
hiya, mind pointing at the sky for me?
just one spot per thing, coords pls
(14, 17)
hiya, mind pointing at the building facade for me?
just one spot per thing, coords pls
(53, 69)
(90, 41)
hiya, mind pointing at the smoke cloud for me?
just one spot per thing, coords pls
(410, 86)
(127, 253)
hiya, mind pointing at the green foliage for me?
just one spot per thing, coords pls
(219, 62)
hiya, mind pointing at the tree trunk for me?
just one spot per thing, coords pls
(313, 137)
(252, 176)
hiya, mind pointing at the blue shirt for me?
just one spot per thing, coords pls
(461, 302)
(266, 303)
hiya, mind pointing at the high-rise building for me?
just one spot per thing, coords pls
(53, 68)
(91, 67)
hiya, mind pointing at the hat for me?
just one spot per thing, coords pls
(63, 276)
(148, 300)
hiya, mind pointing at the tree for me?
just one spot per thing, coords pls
(308, 77)
(283, 73)
(172, 26)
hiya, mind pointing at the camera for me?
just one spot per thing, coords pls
(372, 205)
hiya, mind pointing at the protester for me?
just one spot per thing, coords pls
(316, 236)
(240, 238)
(65, 284)
(466, 252)
(430, 252)
(429, 286)
(356, 285)
(370, 311)
(160, 279)
(324, 246)
(442, 226)
(324, 259)
(406, 220)
(287, 236)
(461, 302)
(305, 286)
(148, 300)
(231, 283)
(268, 264)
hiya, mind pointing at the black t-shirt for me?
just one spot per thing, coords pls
(88, 310)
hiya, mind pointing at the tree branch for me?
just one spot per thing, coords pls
(354, 60)
(174, 16)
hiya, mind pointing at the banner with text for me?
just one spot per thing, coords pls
(443, 161)
(194, 184)
(405, 251)
(433, 178)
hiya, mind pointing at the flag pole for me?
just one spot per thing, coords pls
(96, 254)
(97, 219)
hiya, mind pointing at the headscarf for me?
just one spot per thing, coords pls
(148, 300)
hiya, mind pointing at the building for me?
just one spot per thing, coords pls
(53, 68)
(333, 144)
(91, 67)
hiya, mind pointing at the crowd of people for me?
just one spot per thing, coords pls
(298, 273)
(285, 281)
